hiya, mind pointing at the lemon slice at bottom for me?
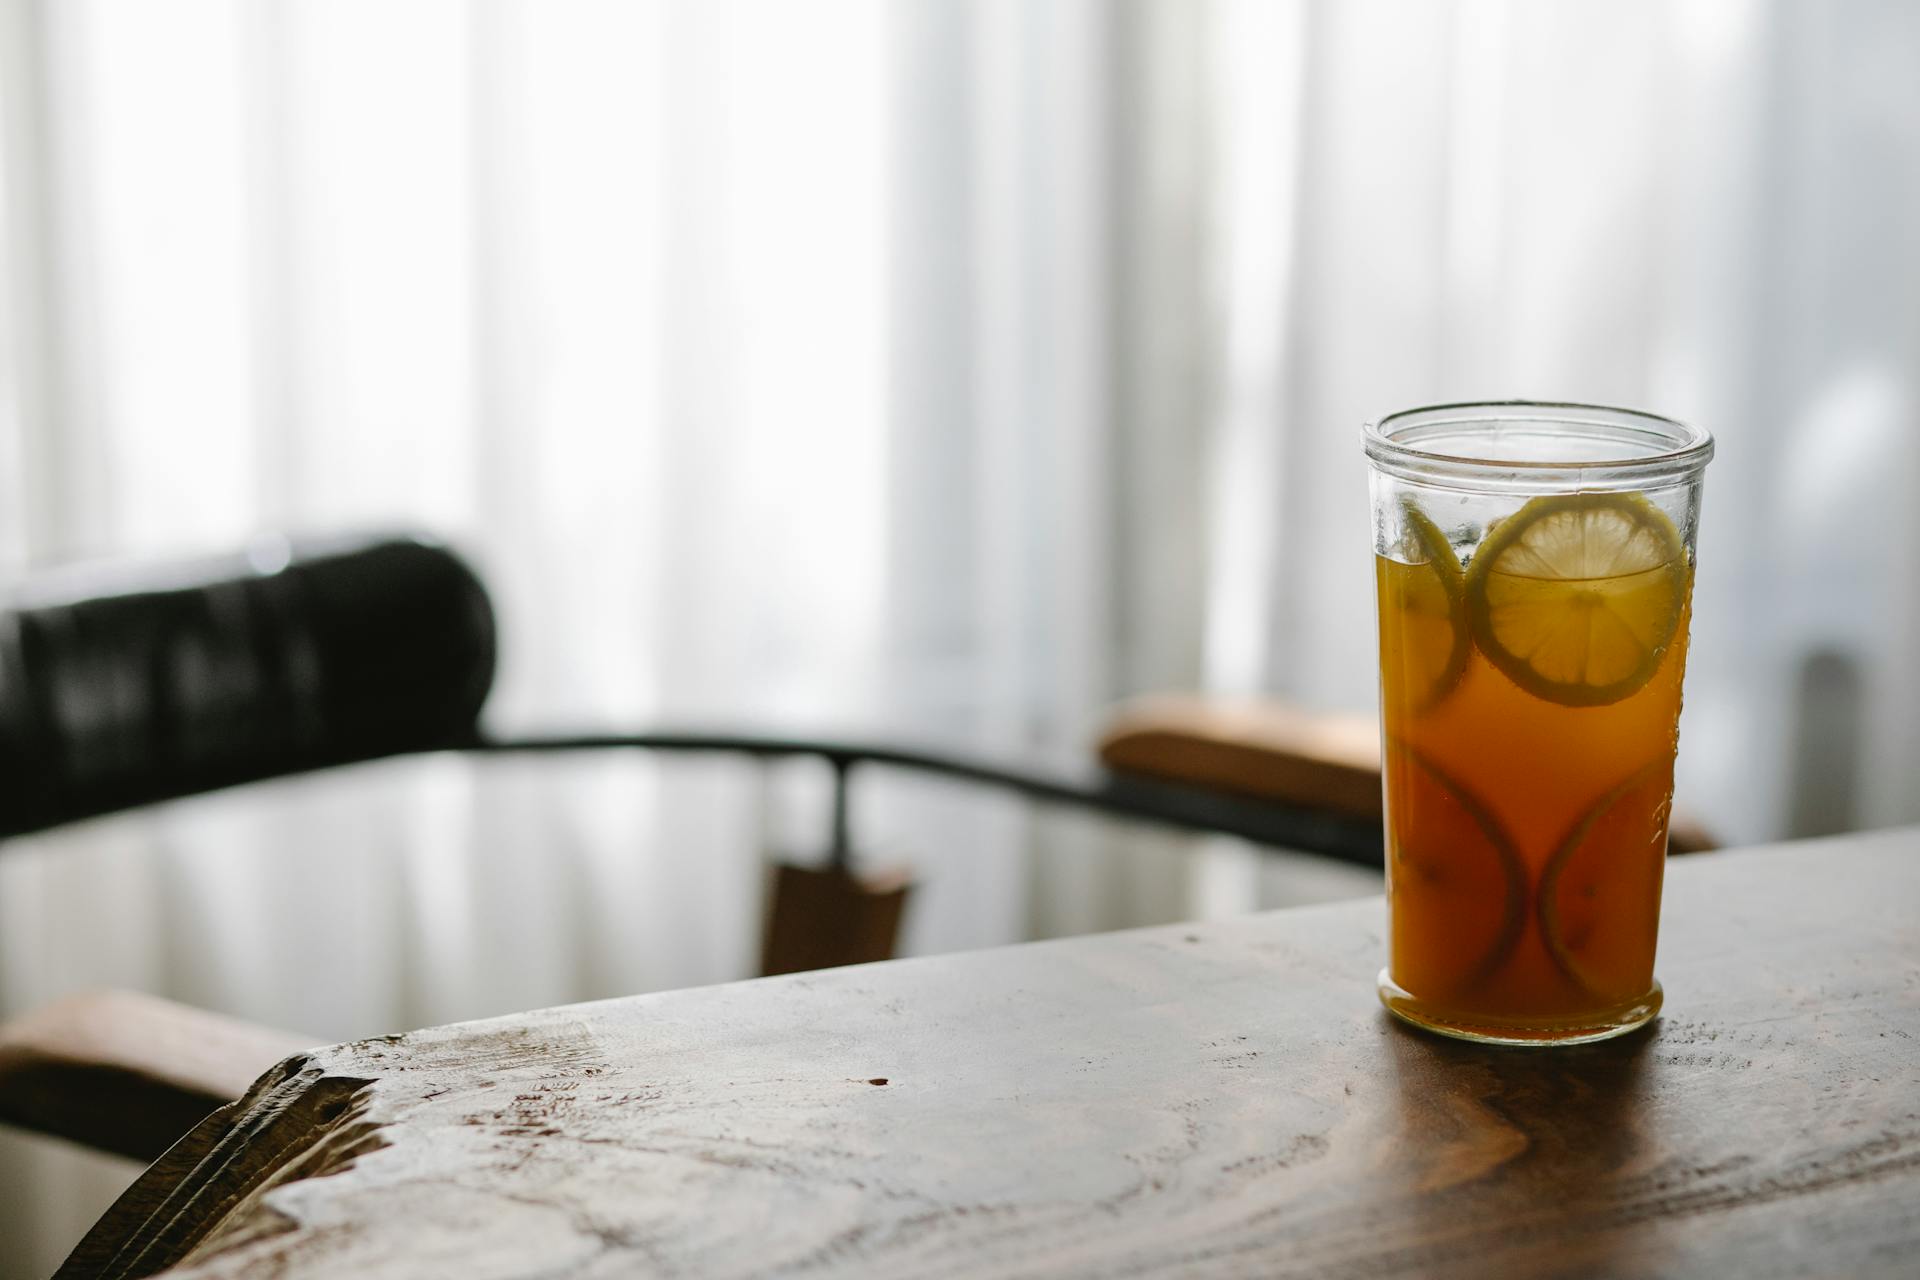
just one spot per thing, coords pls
(1459, 886)
(1599, 896)
(1577, 597)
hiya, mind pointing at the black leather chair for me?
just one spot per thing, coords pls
(118, 690)
(123, 688)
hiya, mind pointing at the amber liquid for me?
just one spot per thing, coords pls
(1525, 838)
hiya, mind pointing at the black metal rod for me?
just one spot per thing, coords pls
(1189, 808)
(1186, 808)
(840, 839)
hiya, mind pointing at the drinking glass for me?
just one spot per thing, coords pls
(1534, 565)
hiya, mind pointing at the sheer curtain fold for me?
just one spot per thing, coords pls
(951, 367)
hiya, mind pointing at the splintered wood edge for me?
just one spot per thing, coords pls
(203, 1196)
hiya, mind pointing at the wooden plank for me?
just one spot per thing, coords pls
(1219, 1099)
(824, 917)
(128, 1073)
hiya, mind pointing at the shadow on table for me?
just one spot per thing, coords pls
(1498, 1152)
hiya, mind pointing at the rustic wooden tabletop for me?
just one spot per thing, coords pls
(1223, 1098)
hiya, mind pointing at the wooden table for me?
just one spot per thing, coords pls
(1212, 1099)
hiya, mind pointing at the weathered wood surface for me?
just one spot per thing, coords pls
(1215, 1099)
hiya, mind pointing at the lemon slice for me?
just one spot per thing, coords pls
(1427, 601)
(1459, 886)
(1576, 597)
(1599, 897)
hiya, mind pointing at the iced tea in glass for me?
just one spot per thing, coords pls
(1534, 566)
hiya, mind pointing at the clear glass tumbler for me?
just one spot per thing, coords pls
(1534, 565)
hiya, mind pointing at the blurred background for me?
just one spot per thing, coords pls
(940, 369)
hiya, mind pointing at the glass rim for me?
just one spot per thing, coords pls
(1674, 450)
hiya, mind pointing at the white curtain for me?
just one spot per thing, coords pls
(939, 368)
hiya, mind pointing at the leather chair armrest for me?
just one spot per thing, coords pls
(128, 1073)
(1267, 750)
(1326, 761)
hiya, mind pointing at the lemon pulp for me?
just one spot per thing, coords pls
(1576, 597)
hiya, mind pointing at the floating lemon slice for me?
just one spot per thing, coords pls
(1599, 902)
(1428, 601)
(1576, 597)
(1459, 886)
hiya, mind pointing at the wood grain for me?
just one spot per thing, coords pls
(1220, 1099)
